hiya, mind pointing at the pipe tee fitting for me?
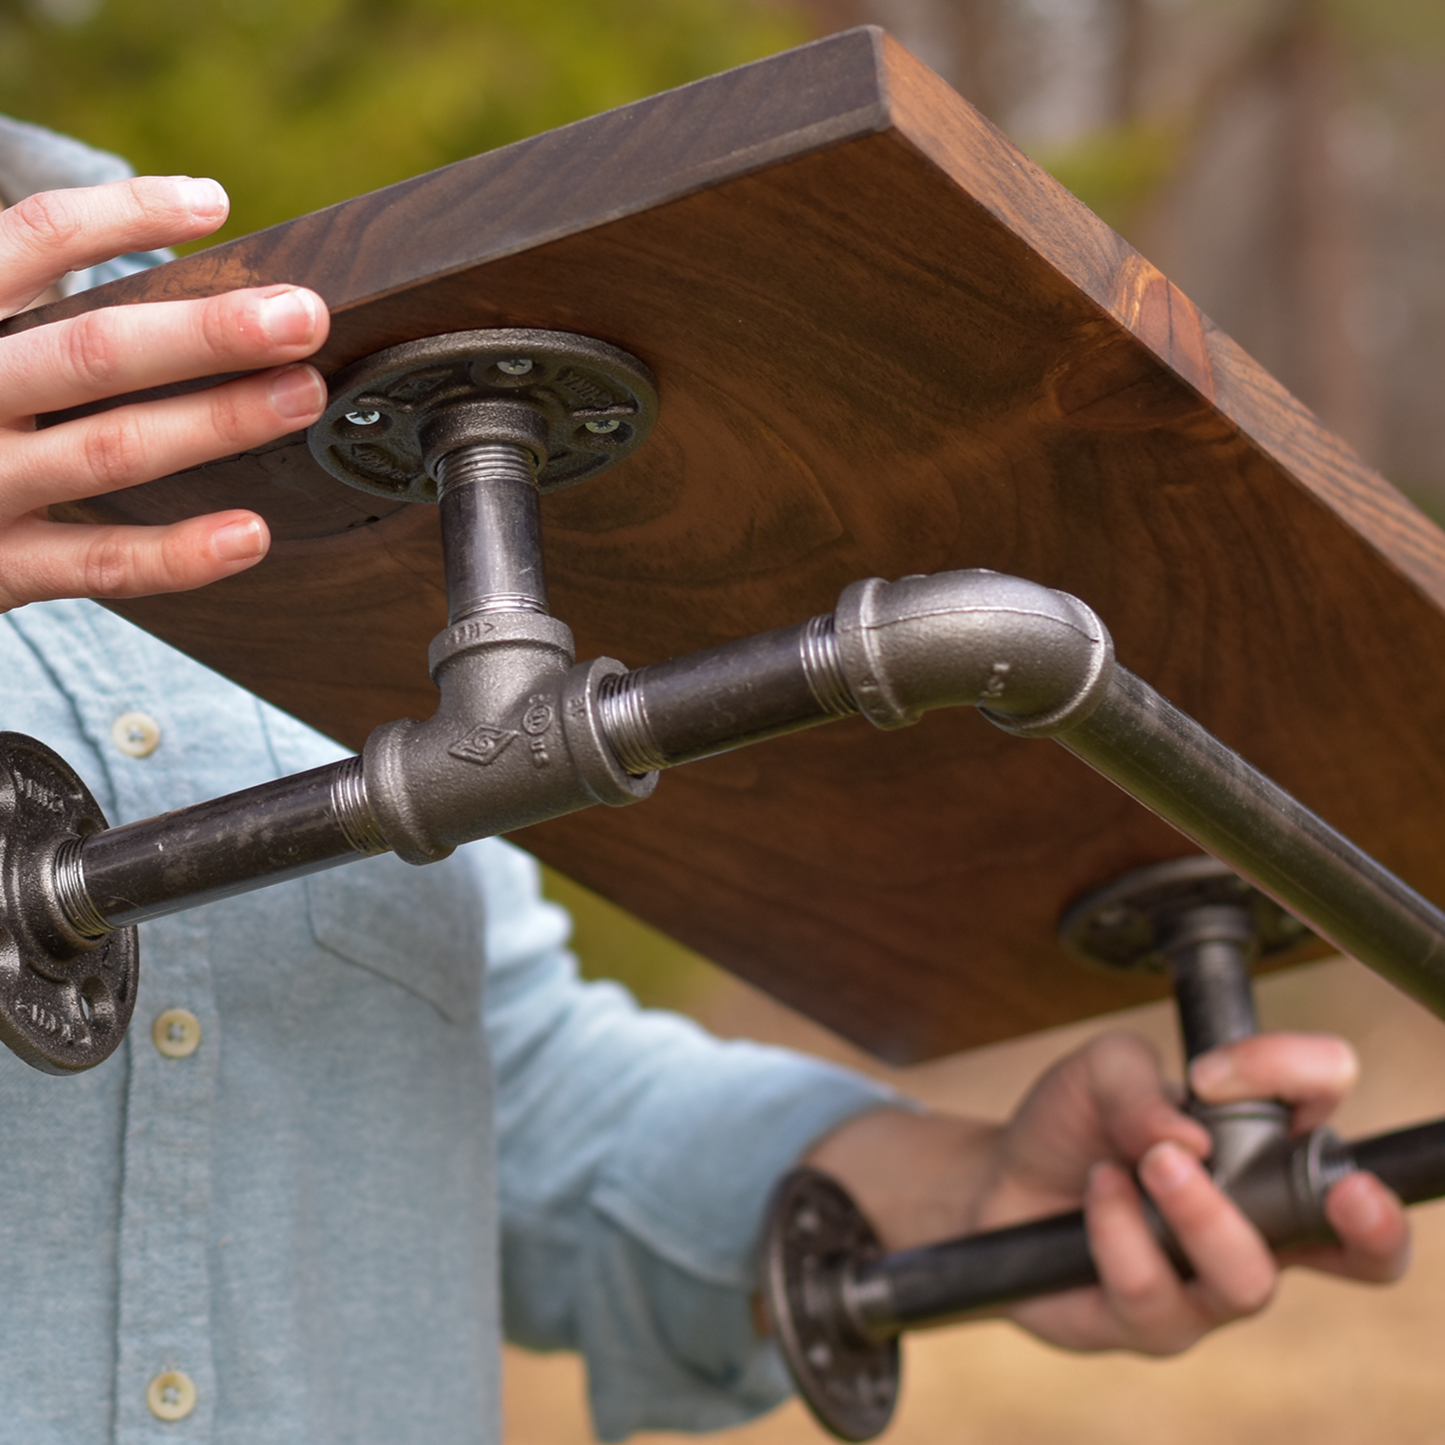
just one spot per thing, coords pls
(516, 740)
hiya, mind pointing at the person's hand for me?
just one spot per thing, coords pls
(1088, 1126)
(123, 349)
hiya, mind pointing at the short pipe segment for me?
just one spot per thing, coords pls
(726, 697)
(217, 849)
(491, 530)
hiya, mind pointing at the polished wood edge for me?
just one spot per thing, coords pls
(1127, 288)
(541, 189)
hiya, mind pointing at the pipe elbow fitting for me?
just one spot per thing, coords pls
(1033, 660)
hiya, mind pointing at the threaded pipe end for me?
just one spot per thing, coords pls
(73, 896)
(823, 667)
(624, 723)
(353, 811)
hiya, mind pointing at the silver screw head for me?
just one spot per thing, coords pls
(363, 418)
(603, 426)
(515, 366)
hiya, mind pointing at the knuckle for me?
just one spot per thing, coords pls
(1147, 1292)
(220, 323)
(48, 220)
(230, 417)
(107, 566)
(92, 349)
(1246, 1293)
(115, 452)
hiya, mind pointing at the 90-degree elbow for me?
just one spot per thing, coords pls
(1035, 661)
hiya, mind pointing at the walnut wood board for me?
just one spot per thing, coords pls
(886, 343)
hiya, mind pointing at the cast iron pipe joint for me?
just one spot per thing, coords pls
(516, 740)
(1034, 660)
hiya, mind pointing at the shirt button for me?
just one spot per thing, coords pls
(136, 734)
(177, 1033)
(171, 1396)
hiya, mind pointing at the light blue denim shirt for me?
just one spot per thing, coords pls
(407, 1125)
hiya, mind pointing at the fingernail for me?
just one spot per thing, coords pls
(298, 392)
(1210, 1072)
(1165, 1168)
(289, 318)
(239, 541)
(207, 199)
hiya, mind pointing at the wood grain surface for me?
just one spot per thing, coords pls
(886, 343)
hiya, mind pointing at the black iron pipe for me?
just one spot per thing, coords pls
(726, 697)
(933, 1283)
(1167, 761)
(219, 848)
(491, 530)
(922, 1286)
(1410, 1161)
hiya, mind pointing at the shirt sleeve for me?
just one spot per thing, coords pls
(637, 1155)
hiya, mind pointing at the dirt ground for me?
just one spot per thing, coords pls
(1328, 1362)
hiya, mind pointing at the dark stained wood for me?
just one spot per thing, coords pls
(886, 343)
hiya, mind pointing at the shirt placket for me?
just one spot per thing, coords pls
(165, 1383)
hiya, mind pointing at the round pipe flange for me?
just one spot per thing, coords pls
(1126, 924)
(578, 404)
(65, 1000)
(846, 1378)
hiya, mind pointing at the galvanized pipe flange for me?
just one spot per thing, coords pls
(578, 404)
(65, 999)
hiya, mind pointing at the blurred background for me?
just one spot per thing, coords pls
(1282, 160)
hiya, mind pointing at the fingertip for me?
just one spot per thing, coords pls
(1295, 1067)
(204, 198)
(241, 541)
(298, 394)
(1361, 1208)
(1211, 1073)
(293, 316)
(1166, 1168)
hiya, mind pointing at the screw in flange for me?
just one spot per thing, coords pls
(363, 418)
(514, 366)
(605, 427)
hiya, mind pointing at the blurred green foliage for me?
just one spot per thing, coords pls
(295, 104)
(1407, 26)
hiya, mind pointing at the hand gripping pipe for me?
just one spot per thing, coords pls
(838, 1303)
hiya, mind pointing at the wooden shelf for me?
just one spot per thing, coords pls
(886, 343)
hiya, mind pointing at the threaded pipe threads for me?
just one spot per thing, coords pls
(353, 812)
(823, 667)
(624, 724)
(73, 896)
(491, 530)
